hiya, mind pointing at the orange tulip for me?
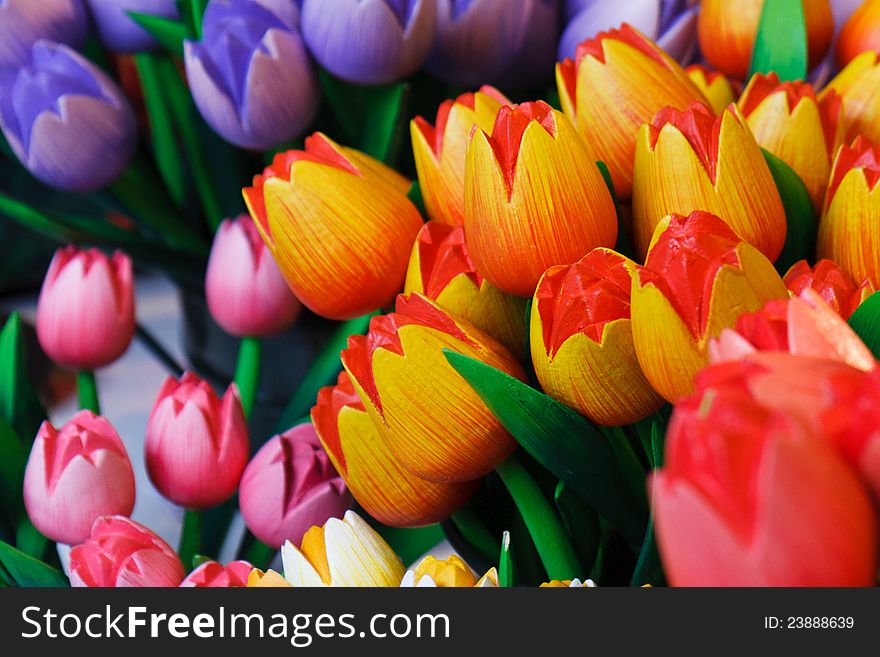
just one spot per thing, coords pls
(440, 150)
(789, 121)
(859, 86)
(832, 284)
(434, 423)
(848, 230)
(693, 160)
(534, 197)
(861, 32)
(338, 224)
(698, 279)
(372, 474)
(441, 269)
(717, 89)
(726, 30)
(618, 80)
(582, 344)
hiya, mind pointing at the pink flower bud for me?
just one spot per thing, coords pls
(75, 475)
(289, 486)
(85, 314)
(120, 553)
(214, 575)
(196, 444)
(246, 293)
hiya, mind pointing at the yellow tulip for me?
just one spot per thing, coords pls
(339, 225)
(859, 86)
(581, 340)
(715, 86)
(372, 474)
(789, 121)
(534, 197)
(699, 277)
(568, 584)
(257, 579)
(693, 160)
(440, 150)
(441, 269)
(431, 419)
(345, 552)
(848, 230)
(618, 80)
(447, 573)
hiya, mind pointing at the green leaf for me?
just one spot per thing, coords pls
(24, 570)
(581, 524)
(385, 118)
(197, 12)
(649, 569)
(28, 538)
(865, 321)
(322, 372)
(561, 440)
(19, 404)
(781, 42)
(13, 459)
(167, 31)
(802, 227)
(474, 531)
(415, 195)
(505, 562)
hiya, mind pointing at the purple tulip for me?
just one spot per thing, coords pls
(66, 121)
(121, 33)
(671, 23)
(250, 75)
(369, 41)
(23, 22)
(480, 41)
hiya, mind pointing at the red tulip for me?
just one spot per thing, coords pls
(214, 575)
(833, 284)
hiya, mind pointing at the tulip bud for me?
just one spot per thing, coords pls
(717, 89)
(76, 475)
(848, 229)
(431, 419)
(289, 486)
(196, 444)
(616, 82)
(698, 279)
(246, 293)
(693, 160)
(440, 150)
(121, 33)
(739, 477)
(534, 197)
(569, 584)
(24, 22)
(447, 573)
(250, 74)
(214, 575)
(803, 325)
(482, 40)
(338, 224)
(582, 345)
(345, 552)
(266, 580)
(385, 490)
(369, 42)
(441, 269)
(727, 30)
(859, 86)
(122, 553)
(85, 313)
(789, 121)
(671, 23)
(835, 287)
(860, 33)
(66, 121)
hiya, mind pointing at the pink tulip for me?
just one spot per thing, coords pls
(289, 486)
(214, 575)
(76, 475)
(196, 444)
(85, 314)
(123, 553)
(246, 293)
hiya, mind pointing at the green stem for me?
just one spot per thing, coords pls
(259, 555)
(247, 371)
(556, 552)
(190, 537)
(88, 391)
(505, 562)
(629, 462)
